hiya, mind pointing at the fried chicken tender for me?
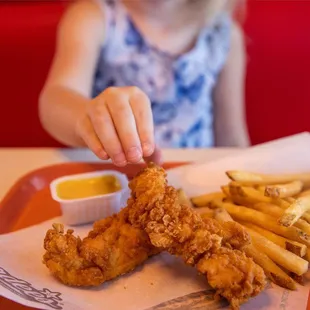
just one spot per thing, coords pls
(155, 208)
(153, 221)
(114, 247)
(232, 233)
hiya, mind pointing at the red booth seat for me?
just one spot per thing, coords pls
(277, 85)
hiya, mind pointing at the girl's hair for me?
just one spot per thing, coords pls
(238, 9)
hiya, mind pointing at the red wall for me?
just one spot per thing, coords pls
(277, 89)
(27, 37)
(278, 83)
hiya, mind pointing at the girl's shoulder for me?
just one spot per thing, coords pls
(84, 19)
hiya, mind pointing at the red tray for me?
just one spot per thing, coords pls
(29, 201)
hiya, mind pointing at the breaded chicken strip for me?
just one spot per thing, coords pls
(154, 207)
(114, 247)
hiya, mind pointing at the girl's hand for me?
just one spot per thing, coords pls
(118, 124)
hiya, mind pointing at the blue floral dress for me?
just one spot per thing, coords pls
(180, 88)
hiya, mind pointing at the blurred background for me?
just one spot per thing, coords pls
(277, 83)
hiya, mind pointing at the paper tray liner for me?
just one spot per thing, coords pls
(29, 201)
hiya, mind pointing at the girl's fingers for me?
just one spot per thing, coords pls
(88, 135)
(122, 120)
(125, 124)
(141, 108)
(105, 130)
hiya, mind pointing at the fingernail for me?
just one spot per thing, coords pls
(134, 154)
(119, 160)
(147, 149)
(103, 155)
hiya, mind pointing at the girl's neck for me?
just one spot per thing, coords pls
(169, 12)
(172, 25)
(151, 7)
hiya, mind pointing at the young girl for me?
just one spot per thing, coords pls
(132, 76)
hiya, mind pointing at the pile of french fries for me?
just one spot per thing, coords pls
(275, 210)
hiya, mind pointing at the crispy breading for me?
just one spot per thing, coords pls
(114, 247)
(154, 206)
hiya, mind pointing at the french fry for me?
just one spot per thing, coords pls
(307, 256)
(295, 247)
(285, 204)
(239, 196)
(277, 212)
(275, 273)
(218, 204)
(203, 200)
(306, 216)
(268, 208)
(247, 196)
(234, 187)
(260, 188)
(250, 195)
(282, 203)
(284, 190)
(292, 246)
(205, 212)
(280, 256)
(260, 202)
(183, 199)
(241, 213)
(272, 271)
(295, 211)
(220, 214)
(299, 279)
(250, 178)
(225, 190)
(303, 225)
(241, 201)
(304, 193)
(289, 199)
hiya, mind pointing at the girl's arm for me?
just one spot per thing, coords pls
(68, 86)
(118, 123)
(229, 111)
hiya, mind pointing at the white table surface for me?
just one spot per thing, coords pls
(16, 162)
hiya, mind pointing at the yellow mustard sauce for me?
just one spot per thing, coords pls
(88, 187)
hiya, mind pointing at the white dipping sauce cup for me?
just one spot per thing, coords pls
(90, 209)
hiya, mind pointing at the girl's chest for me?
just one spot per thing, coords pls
(175, 41)
(174, 35)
